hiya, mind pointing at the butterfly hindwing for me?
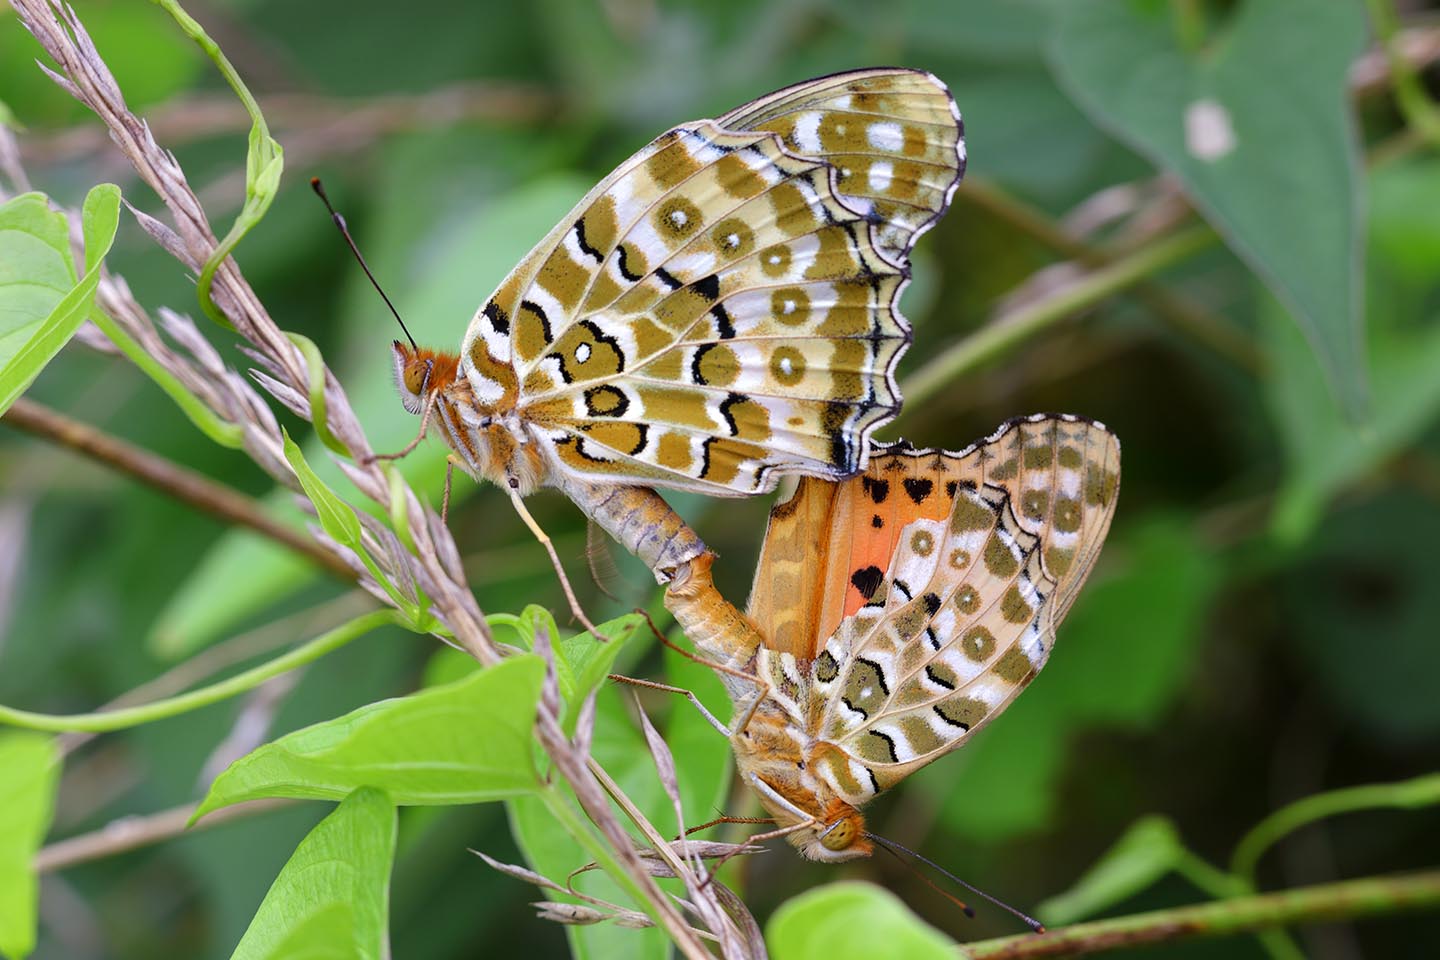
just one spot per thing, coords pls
(893, 135)
(978, 569)
(714, 313)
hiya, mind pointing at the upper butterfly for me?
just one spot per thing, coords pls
(719, 311)
(895, 613)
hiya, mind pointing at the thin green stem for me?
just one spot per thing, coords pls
(1408, 794)
(1346, 900)
(1189, 18)
(1188, 318)
(1420, 112)
(110, 720)
(1006, 331)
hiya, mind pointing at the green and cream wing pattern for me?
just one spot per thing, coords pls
(893, 135)
(967, 611)
(712, 315)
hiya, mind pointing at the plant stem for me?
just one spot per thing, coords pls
(131, 832)
(169, 478)
(1187, 317)
(1409, 794)
(1345, 900)
(1009, 329)
(109, 720)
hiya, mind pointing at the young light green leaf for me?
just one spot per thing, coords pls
(336, 516)
(1260, 132)
(467, 742)
(852, 921)
(1146, 852)
(35, 268)
(590, 660)
(28, 339)
(29, 776)
(331, 897)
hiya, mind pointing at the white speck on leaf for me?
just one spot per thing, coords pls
(1208, 132)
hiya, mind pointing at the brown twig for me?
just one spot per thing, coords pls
(128, 833)
(1346, 900)
(168, 477)
(343, 123)
(1184, 315)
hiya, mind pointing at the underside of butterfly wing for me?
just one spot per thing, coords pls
(714, 314)
(894, 136)
(979, 566)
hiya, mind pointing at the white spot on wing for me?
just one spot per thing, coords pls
(885, 136)
(881, 173)
(807, 132)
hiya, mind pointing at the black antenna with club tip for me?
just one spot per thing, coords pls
(893, 847)
(345, 232)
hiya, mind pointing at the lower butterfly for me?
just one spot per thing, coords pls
(719, 311)
(896, 613)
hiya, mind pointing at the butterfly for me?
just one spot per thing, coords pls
(719, 311)
(895, 613)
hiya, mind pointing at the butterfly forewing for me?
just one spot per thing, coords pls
(981, 553)
(715, 313)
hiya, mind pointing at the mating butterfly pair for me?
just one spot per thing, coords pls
(722, 310)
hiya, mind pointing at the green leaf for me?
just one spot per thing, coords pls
(1149, 850)
(1259, 131)
(331, 897)
(336, 516)
(590, 661)
(1324, 454)
(467, 742)
(840, 921)
(30, 334)
(29, 778)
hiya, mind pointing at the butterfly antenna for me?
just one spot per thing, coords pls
(339, 221)
(895, 849)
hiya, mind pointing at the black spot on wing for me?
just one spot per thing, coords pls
(867, 581)
(584, 245)
(918, 488)
(499, 319)
(878, 490)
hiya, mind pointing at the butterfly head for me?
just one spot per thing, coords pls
(420, 372)
(841, 836)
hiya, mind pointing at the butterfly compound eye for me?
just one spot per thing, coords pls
(839, 835)
(416, 375)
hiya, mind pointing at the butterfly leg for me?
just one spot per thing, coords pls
(515, 499)
(405, 450)
(667, 688)
(745, 712)
(450, 461)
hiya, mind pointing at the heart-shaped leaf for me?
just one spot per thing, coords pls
(1257, 126)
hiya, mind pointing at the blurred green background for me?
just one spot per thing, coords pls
(1262, 625)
